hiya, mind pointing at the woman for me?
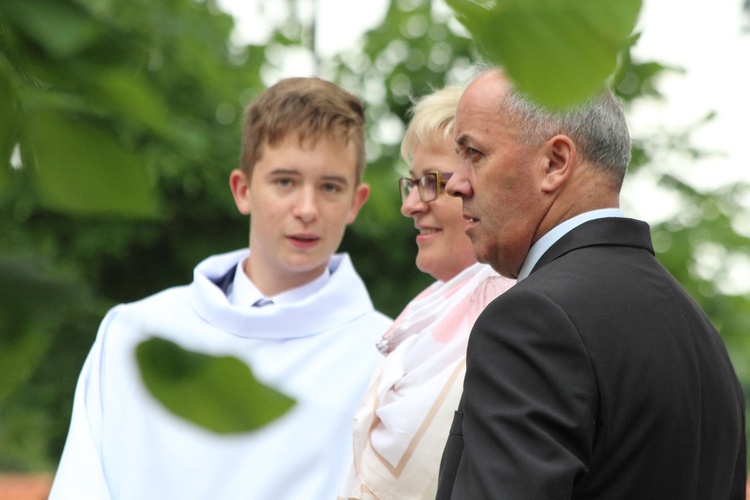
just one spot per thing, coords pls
(402, 424)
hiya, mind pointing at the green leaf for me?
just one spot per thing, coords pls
(21, 355)
(559, 52)
(8, 129)
(218, 393)
(130, 96)
(30, 301)
(79, 168)
(26, 289)
(62, 27)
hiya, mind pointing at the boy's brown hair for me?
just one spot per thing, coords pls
(310, 107)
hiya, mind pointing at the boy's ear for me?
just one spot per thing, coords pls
(361, 193)
(240, 186)
(560, 154)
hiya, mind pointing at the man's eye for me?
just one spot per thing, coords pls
(283, 182)
(469, 153)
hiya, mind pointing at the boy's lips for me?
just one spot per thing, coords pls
(303, 240)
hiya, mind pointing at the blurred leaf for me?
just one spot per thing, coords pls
(634, 80)
(8, 129)
(559, 52)
(20, 356)
(30, 301)
(25, 290)
(218, 393)
(131, 96)
(81, 168)
(62, 27)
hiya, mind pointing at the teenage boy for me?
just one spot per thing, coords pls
(295, 312)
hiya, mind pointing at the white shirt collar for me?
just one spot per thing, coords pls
(545, 242)
(244, 293)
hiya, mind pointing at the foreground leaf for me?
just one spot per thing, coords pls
(218, 393)
(559, 52)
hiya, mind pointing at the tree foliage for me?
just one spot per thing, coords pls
(121, 122)
(126, 137)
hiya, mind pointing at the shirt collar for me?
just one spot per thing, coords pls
(545, 242)
(244, 293)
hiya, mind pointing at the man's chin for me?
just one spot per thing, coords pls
(480, 253)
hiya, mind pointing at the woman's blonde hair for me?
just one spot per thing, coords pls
(430, 116)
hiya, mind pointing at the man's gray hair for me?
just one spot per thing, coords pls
(597, 127)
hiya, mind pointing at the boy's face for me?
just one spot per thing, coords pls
(300, 198)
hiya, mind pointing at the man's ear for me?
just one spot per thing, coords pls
(361, 193)
(240, 186)
(560, 155)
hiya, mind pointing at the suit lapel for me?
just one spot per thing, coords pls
(613, 231)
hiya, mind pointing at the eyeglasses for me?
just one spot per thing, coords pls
(429, 186)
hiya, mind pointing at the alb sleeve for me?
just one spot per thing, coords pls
(80, 473)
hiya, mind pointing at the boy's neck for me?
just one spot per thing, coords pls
(271, 283)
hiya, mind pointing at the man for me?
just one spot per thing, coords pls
(297, 313)
(596, 375)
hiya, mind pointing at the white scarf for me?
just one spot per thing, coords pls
(402, 423)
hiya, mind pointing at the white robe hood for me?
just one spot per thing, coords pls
(346, 296)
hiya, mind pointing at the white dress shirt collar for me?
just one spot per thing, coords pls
(243, 291)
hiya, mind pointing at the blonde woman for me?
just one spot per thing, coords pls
(402, 424)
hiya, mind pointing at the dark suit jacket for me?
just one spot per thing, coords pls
(597, 377)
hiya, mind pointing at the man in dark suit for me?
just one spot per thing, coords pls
(596, 376)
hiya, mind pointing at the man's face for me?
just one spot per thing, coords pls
(498, 179)
(300, 199)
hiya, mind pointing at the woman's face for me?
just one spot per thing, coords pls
(444, 249)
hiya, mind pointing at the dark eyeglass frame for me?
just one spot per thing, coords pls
(406, 184)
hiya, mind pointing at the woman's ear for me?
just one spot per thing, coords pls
(240, 186)
(560, 156)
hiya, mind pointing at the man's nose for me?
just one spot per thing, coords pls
(458, 185)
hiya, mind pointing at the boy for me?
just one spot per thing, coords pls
(295, 312)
